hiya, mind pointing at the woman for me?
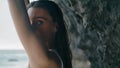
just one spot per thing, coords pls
(42, 32)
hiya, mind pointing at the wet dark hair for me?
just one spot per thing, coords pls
(61, 38)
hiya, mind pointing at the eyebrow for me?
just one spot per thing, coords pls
(40, 17)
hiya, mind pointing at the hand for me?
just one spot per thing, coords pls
(27, 2)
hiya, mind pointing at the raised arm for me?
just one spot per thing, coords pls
(35, 50)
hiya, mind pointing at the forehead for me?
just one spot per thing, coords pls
(38, 12)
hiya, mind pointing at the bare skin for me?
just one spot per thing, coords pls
(38, 51)
(27, 2)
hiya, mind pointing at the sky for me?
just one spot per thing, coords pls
(8, 36)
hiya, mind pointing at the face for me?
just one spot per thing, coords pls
(45, 28)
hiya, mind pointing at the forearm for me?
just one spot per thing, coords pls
(21, 20)
(20, 17)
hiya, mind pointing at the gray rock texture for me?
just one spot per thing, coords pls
(94, 29)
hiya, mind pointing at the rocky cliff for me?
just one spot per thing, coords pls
(94, 28)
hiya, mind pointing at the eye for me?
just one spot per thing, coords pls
(39, 22)
(36, 24)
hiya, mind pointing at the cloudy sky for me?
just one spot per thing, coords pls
(8, 35)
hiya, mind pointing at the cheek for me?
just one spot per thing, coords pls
(48, 31)
(39, 33)
(48, 28)
(45, 31)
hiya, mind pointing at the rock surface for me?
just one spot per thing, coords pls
(94, 29)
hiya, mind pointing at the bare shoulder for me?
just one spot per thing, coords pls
(53, 62)
(55, 58)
